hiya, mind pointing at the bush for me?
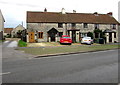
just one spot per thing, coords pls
(22, 43)
(90, 34)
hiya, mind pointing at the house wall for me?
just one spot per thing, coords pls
(45, 27)
(1, 26)
(1, 22)
(15, 30)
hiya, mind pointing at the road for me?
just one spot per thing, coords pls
(92, 67)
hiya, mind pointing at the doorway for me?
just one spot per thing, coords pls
(110, 37)
(52, 34)
(31, 37)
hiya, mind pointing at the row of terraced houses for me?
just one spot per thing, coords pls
(50, 26)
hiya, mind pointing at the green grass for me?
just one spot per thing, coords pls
(2, 41)
(22, 43)
(65, 49)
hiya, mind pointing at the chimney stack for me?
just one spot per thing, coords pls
(45, 10)
(63, 11)
(74, 11)
(110, 13)
(96, 14)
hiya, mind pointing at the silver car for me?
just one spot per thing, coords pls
(87, 40)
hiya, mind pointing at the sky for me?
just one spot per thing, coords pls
(14, 11)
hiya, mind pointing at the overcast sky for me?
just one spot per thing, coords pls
(14, 11)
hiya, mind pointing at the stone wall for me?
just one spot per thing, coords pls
(45, 27)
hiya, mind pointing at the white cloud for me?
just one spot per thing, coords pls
(15, 10)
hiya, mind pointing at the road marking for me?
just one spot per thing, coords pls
(4, 73)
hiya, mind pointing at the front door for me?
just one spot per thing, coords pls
(74, 36)
(110, 37)
(31, 37)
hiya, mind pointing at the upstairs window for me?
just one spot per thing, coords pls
(114, 26)
(73, 25)
(96, 26)
(60, 25)
(85, 25)
(40, 35)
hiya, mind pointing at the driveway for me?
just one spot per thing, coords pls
(8, 51)
(10, 44)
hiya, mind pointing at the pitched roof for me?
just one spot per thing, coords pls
(8, 30)
(2, 15)
(58, 17)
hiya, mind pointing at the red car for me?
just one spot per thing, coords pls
(65, 39)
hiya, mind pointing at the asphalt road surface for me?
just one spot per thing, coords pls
(92, 67)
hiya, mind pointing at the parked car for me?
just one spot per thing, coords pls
(87, 40)
(65, 39)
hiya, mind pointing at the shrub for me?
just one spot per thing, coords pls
(96, 40)
(90, 34)
(22, 43)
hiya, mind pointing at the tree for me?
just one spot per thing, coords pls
(19, 34)
(98, 33)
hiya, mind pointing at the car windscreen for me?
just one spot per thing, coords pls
(65, 37)
(87, 38)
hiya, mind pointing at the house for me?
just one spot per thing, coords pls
(2, 20)
(7, 32)
(50, 26)
(16, 32)
(119, 11)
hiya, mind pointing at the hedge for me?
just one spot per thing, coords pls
(22, 43)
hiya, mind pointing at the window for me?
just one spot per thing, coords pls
(85, 25)
(96, 26)
(83, 35)
(114, 26)
(60, 25)
(40, 35)
(73, 25)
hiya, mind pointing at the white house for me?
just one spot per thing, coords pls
(2, 20)
(16, 30)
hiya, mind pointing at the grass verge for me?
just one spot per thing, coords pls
(2, 41)
(66, 49)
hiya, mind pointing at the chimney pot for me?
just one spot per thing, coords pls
(45, 10)
(96, 14)
(74, 11)
(110, 13)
